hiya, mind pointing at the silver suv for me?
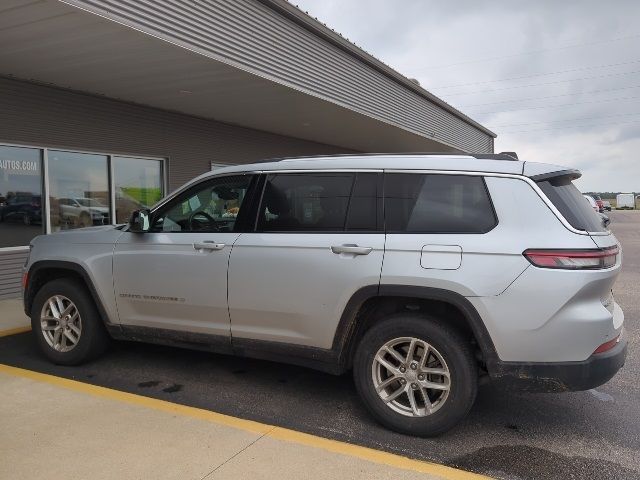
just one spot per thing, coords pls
(421, 273)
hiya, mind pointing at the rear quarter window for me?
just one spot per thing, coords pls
(576, 209)
(437, 203)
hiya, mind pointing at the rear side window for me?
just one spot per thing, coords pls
(320, 202)
(433, 203)
(576, 209)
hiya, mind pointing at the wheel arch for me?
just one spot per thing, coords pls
(44, 271)
(360, 314)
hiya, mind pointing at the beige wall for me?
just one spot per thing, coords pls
(50, 117)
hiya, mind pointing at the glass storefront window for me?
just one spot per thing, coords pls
(78, 190)
(138, 184)
(20, 195)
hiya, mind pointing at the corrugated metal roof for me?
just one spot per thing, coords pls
(321, 29)
(274, 40)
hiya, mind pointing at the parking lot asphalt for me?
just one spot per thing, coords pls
(508, 435)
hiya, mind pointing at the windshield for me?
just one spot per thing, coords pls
(566, 197)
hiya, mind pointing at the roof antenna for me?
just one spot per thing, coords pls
(511, 154)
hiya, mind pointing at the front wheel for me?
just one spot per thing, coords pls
(415, 374)
(66, 323)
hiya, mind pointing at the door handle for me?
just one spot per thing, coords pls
(208, 245)
(351, 248)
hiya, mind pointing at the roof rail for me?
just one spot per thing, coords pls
(511, 156)
(378, 154)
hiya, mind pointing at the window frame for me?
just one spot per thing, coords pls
(246, 220)
(496, 219)
(379, 202)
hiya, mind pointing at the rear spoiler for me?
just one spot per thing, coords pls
(571, 173)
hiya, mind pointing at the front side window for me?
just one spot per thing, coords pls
(213, 206)
(435, 203)
(320, 202)
(20, 195)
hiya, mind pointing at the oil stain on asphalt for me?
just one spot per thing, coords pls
(173, 388)
(149, 384)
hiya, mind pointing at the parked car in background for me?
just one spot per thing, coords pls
(599, 202)
(592, 202)
(22, 207)
(607, 205)
(83, 212)
(625, 201)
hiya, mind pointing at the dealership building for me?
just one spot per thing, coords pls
(106, 106)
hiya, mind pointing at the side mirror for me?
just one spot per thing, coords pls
(140, 221)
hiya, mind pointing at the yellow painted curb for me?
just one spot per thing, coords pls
(278, 433)
(14, 331)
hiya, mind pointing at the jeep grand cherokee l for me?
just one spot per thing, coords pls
(420, 273)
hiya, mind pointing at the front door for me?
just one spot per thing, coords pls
(175, 276)
(319, 239)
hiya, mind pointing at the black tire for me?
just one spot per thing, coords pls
(456, 352)
(94, 338)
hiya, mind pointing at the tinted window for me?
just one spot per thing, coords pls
(364, 212)
(305, 202)
(420, 203)
(320, 202)
(571, 204)
(210, 207)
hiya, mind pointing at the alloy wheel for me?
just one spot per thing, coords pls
(411, 377)
(60, 323)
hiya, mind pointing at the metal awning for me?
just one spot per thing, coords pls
(54, 43)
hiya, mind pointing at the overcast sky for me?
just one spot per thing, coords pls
(559, 82)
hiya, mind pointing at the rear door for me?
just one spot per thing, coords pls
(441, 234)
(318, 239)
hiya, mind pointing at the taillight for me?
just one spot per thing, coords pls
(25, 280)
(592, 259)
(607, 345)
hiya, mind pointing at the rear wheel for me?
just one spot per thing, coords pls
(66, 323)
(415, 374)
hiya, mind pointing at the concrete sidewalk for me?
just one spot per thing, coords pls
(53, 427)
(12, 316)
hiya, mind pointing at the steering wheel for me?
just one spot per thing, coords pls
(195, 224)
